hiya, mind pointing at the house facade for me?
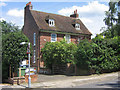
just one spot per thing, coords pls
(41, 27)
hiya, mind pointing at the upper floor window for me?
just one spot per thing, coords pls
(53, 37)
(51, 22)
(68, 38)
(77, 26)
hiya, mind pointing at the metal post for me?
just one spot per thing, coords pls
(29, 78)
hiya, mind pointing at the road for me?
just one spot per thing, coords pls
(106, 80)
(112, 83)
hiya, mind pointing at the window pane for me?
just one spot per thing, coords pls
(68, 38)
(77, 26)
(51, 22)
(53, 37)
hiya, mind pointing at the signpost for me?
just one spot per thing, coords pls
(28, 52)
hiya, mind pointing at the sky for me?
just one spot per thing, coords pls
(91, 12)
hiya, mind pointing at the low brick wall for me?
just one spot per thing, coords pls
(16, 80)
(33, 78)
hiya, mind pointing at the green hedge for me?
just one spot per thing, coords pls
(100, 55)
(58, 53)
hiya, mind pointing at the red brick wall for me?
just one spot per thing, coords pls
(46, 37)
(60, 37)
(74, 39)
(33, 78)
(29, 29)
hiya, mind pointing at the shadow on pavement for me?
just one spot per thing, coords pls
(23, 86)
(113, 85)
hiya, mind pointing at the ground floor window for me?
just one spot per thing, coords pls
(68, 38)
(53, 37)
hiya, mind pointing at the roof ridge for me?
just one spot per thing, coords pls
(54, 14)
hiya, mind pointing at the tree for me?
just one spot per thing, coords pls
(8, 27)
(107, 57)
(12, 51)
(98, 56)
(110, 20)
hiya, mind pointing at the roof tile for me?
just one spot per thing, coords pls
(62, 23)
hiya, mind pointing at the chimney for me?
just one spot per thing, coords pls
(27, 9)
(29, 6)
(75, 15)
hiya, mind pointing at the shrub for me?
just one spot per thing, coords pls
(58, 53)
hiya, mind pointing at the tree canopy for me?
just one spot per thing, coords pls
(111, 20)
(12, 51)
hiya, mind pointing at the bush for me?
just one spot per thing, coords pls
(99, 56)
(58, 53)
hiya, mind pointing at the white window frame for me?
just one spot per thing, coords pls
(52, 38)
(51, 22)
(77, 26)
(69, 37)
(34, 39)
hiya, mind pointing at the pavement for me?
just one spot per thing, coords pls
(63, 81)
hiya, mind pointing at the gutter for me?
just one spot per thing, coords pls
(59, 32)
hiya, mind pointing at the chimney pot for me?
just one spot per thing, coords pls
(75, 15)
(29, 5)
(76, 11)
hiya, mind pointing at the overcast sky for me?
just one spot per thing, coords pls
(91, 12)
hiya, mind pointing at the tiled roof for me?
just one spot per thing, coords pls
(62, 23)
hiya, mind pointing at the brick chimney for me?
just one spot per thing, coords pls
(29, 6)
(27, 9)
(75, 15)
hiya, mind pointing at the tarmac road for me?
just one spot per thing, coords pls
(111, 83)
(63, 81)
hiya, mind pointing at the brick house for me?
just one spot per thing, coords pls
(41, 27)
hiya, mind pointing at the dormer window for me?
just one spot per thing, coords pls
(51, 22)
(77, 26)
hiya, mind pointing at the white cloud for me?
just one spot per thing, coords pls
(2, 4)
(2, 19)
(92, 15)
(16, 13)
(86, 20)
